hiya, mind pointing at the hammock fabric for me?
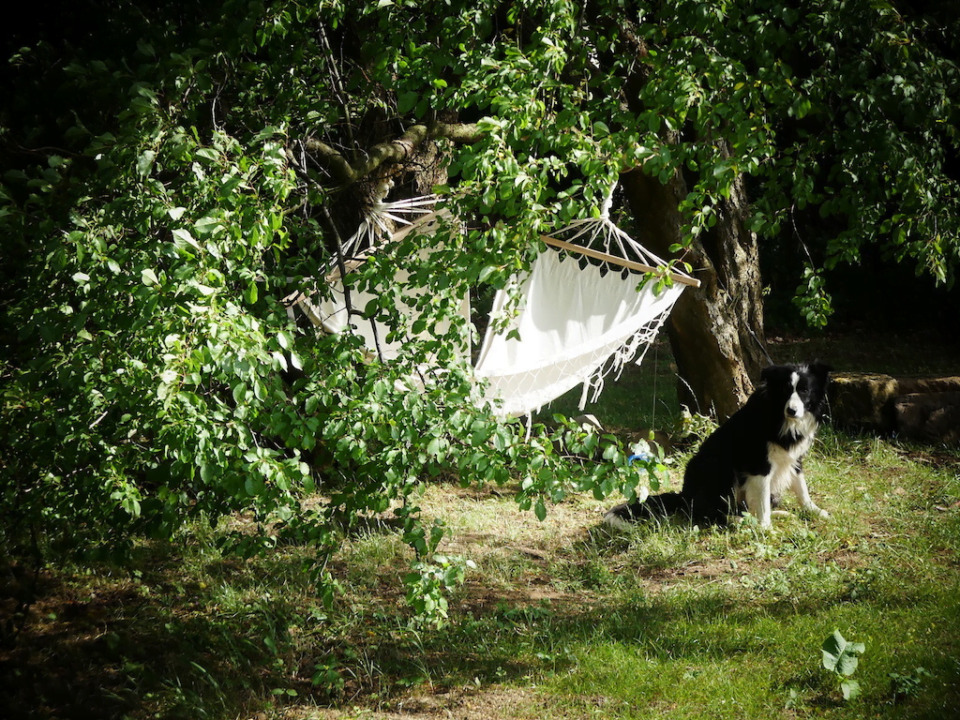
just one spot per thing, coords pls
(331, 315)
(571, 321)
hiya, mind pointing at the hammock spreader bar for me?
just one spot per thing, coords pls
(614, 260)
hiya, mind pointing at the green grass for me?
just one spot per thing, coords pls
(728, 623)
(560, 618)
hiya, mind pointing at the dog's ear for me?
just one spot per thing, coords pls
(768, 372)
(819, 369)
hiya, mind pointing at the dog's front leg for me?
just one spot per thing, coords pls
(757, 491)
(799, 486)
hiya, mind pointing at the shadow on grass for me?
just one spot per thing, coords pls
(189, 634)
(112, 650)
(164, 642)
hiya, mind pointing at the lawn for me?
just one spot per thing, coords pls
(559, 619)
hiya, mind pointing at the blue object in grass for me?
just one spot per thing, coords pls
(638, 456)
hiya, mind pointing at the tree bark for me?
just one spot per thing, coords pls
(716, 330)
(399, 151)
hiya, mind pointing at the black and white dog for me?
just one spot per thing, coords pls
(750, 460)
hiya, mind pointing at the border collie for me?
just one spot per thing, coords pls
(750, 460)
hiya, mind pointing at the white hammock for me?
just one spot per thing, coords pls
(571, 322)
(575, 324)
(331, 314)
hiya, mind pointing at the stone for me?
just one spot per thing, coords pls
(931, 417)
(926, 409)
(863, 400)
(912, 386)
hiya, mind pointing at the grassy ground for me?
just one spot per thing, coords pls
(560, 619)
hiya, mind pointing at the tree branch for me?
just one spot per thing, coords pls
(396, 151)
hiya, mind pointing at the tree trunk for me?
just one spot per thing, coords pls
(716, 331)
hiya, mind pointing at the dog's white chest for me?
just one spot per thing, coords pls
(783, 461)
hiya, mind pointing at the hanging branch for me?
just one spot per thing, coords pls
(342, 268)
(336, 82)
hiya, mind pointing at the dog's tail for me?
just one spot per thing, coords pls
(655, 506)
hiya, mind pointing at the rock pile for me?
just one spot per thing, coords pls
(925, 409)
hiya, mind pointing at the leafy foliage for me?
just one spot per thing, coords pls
(842, 658)
(907, 685)
(812, 298)
(162, 196)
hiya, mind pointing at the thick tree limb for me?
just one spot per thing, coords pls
(396, 151)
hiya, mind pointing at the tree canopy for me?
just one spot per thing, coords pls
(171, 172)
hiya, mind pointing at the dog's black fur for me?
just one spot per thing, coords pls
(750, 460)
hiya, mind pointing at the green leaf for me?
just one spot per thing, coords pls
(254, 485)
(540, 509)
(272, 647)
(802, 107)
(208, 154)
(183, 237)
(207, 225)
(832, 648)
(850, 689)
(149, 277)
(145, 163)
(406, 102)
(840, 656)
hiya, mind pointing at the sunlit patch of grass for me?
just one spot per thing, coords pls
(374, 556)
